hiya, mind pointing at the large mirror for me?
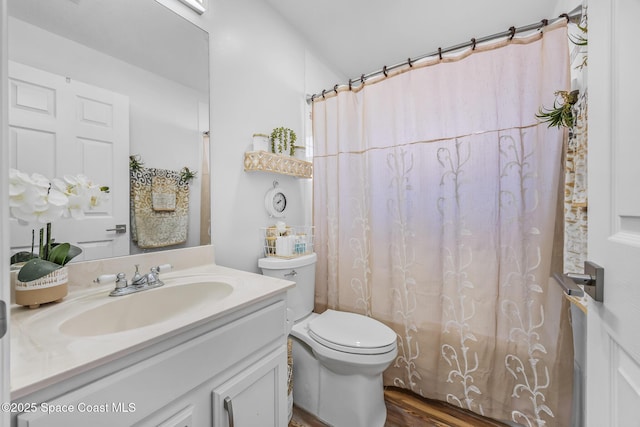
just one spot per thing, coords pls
(92, 83)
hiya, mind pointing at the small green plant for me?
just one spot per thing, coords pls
(135, 162)
(283, 140)
(562, 112)
(187, 175)
(581, 40)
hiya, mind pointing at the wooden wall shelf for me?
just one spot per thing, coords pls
(284, 165)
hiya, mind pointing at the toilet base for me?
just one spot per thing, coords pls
(347, 400)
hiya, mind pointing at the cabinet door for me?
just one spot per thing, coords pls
(256, 397)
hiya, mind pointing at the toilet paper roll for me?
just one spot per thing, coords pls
(284, 246)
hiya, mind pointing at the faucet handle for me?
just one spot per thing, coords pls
(153, 278)
(163, 268)
(136, 276)
(120, 279)
(156, 270)
(105, 278)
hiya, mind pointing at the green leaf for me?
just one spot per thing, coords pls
(74, 251)
(59, 254)
(22, 257)
(35, 269)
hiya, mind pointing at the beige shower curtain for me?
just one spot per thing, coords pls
(435, 196)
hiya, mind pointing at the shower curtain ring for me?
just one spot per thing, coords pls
(362, 79)
(384, 71)
(512, 30)
(566, 16)
(313, 97)
(350, 87)
(323, 92)
(473, 43)
(440, 53)
(545, 22)
(335, 89)
(409, 62)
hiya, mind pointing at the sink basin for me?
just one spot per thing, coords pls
(144, 308)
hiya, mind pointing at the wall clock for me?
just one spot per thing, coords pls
(275, 201)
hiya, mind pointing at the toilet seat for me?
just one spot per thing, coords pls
(351, 333)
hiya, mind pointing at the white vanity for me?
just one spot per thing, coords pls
(219, 360)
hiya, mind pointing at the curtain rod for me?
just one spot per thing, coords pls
(575, 15)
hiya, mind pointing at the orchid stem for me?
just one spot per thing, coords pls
(41, 248)
(48, 250)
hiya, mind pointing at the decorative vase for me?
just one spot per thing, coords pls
(50, 288)
(300, 152)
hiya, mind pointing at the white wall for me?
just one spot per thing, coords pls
(261, 72)
(566, 6)
(162, 113)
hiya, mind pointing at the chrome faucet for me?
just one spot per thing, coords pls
(139, 282)
(150, 279)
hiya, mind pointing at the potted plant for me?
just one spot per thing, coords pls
(33, 199)
(283, 141)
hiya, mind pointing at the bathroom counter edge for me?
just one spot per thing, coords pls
(41, 358)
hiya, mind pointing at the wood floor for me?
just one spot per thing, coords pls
(408, 410)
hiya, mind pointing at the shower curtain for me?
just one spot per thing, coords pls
(435, 199)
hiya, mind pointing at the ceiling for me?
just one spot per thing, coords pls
(361, 36)
(353, 37)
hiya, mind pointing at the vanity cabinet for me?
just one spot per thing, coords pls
(231, 368)
(246, 400)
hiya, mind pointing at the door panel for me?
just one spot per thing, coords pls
(74, 128)
(613, 348)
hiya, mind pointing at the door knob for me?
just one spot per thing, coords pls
(120, 228)
(592, 281)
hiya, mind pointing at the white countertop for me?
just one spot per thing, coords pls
(41, 355)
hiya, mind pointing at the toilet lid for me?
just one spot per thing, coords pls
(352, 333)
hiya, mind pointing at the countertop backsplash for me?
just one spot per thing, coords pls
(82, 274)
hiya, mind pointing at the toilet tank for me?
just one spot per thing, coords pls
(302, 270)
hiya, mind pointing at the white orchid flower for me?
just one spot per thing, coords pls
(30, 199)
(36, 199)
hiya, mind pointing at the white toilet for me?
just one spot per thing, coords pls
(338, 357)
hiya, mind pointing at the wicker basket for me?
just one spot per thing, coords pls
(288, 242)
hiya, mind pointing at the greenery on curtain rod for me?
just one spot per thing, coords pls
(581, 40)
(562, 112)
